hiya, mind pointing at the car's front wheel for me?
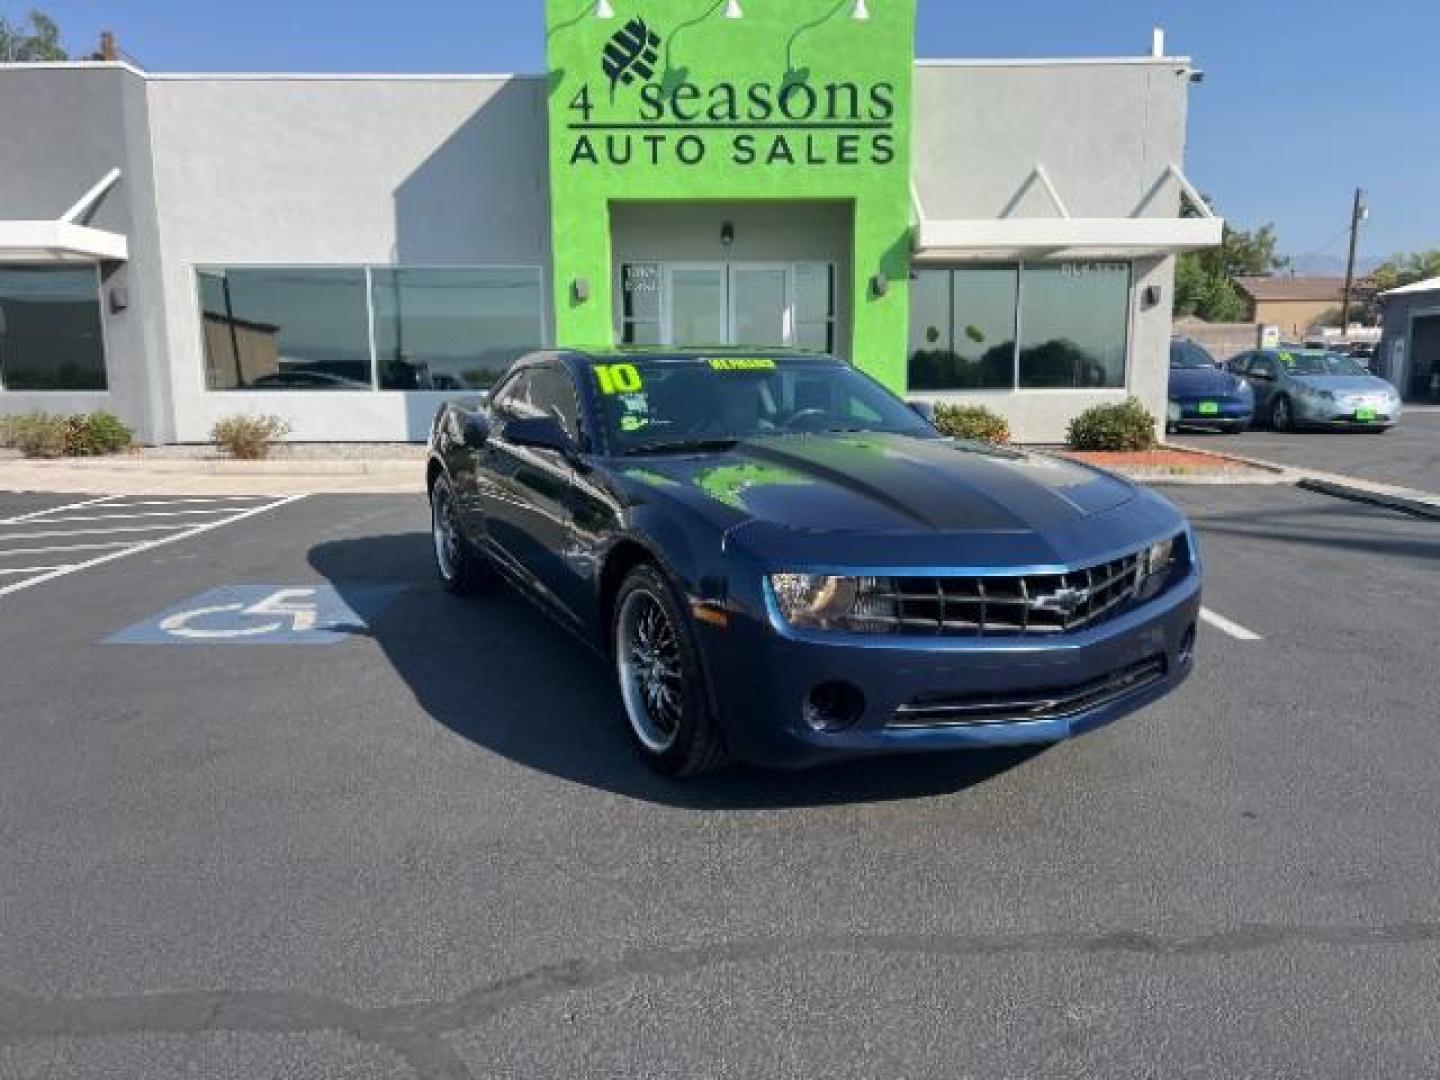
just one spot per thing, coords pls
(662, 684)
(459, 567)
(1282, 414)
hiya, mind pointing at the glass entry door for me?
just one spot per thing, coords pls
(760, 304)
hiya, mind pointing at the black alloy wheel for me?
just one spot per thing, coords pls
(662, 683)
(461, 570)
(1282, 414)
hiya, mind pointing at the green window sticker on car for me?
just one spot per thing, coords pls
(1209, 408)
(754, 363)
(1288, 359)
(1364, 415)
(618, 378)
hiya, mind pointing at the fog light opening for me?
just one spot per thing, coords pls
(1187, 646)
(833, 706)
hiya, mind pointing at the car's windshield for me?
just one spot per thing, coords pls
(1319, 363)
(1186, 354)
(653, 404)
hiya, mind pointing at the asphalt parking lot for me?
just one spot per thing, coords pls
(403, 836)
(1407, 455)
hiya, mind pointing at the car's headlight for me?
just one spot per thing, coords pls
(823, 602)
(1155, 564)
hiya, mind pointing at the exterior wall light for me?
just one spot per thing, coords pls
(727, 234)
(879, 285)
(860, 13)
(580, 289)
(603, 10)
(732, 10)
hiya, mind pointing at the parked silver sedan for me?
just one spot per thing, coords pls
(1310, 388)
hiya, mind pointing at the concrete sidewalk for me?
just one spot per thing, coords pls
(1407, 500)
(144, 475)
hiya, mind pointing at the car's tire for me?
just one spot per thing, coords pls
(460, 569)
(1282, 413)
(1233, 429)
(661, 679)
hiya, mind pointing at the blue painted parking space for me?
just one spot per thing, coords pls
(264, 614)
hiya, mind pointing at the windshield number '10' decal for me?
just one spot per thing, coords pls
(618, 378)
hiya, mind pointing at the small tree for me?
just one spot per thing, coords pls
(36, 39)
(1205, 280)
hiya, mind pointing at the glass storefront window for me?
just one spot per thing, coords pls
(311, 328)
(285, 328)
(50, 332)
(453, 329)
(1071, 320)
(640, 290)
(1075, 324)
(815, 306)
(962, 328)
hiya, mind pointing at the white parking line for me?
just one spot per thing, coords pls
(1225, 626)
(88, 532)
(4, 554)
(140, 514)
(195, 529)
(55, 510)
(30, 569)
(189, 501)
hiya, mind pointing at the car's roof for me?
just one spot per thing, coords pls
(661, 352)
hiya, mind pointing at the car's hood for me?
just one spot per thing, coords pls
(878, 484)
(1345, 384)
(1199, 382)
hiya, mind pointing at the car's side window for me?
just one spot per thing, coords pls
(552, 393)
(510, 399)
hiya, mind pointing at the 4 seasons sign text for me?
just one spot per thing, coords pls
(635, 119)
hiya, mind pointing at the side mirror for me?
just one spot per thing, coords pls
(475, 431)
(539, 433)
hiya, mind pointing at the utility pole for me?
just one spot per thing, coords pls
(1357, 215)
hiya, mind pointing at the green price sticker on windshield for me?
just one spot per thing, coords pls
(618, 378)
(752, 363)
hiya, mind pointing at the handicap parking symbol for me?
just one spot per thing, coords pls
(317, 614)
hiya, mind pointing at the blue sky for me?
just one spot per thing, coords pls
(1302, 100)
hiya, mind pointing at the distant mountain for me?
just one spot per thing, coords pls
(1329, 265)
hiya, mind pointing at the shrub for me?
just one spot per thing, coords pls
(1127, 426)
(91, 434)
(248, 437)
(974, 422)
(38, 435)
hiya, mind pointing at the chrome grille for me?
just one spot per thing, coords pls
(1007, 605)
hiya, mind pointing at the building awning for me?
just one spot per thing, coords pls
(64, 239)
(1066, 237)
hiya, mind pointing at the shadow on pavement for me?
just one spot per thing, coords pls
(496, 671)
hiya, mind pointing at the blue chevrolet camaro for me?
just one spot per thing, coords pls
(787, 564)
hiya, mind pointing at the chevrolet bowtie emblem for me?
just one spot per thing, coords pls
(1066, 601)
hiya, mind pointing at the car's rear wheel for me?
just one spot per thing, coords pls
(461, 570)
(1282, 414)
(662, 683)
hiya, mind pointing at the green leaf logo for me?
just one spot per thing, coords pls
(630, 53)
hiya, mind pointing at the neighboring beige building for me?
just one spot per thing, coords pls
(1294, 304)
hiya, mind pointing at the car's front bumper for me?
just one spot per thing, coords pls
(1211, 411)
(1342, 413)
(761, 679)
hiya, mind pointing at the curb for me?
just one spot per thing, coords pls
(227, 467)
(1254, 463)
(1386, 500)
